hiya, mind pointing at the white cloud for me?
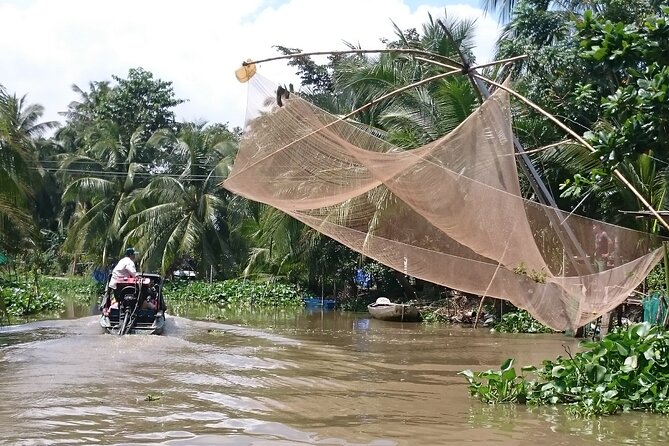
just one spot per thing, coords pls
(47, 46)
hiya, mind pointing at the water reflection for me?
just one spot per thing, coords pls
(278, 378)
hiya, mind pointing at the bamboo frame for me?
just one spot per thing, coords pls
(453, 64)
(359, 109)
(457, 67)
(549, 146)
(575, 135)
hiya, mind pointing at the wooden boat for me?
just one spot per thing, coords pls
(386, 310)
(124, 311)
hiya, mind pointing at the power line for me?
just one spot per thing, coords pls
(125, 174)
(118, 163)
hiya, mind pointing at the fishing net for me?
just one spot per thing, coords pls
(449, 212)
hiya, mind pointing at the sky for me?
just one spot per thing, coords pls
(46, 46)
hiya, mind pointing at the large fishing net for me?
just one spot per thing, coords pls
(449, 212)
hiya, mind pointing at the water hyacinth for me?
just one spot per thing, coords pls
(237, 292)
(627, 370)
(521, 322)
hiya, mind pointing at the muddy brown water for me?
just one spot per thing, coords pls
(285, 378)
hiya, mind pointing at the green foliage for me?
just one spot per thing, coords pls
(655, 279)
(537, 276)
(108, 157)
(576, 58)
(141, 102)
(636, 54)
(29, 296)
(81, 288)
(236, 292)
(521, 322)
(500, 386)
(19, 130)
(22, 298)
(182, 217)
(355, 303)
(432, 317)
(627, 370)
(314, 76)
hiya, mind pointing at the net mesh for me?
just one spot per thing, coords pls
(449, 212)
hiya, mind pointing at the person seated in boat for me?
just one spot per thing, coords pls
(151, 300)
(124, 269)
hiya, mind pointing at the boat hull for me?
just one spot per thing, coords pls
(147, 322)
(136, 305)
(394, 312)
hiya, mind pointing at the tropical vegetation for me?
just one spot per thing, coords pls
(121, 171)
(627, 370)
(520, 322)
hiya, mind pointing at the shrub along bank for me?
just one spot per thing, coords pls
(34, 295)
(521, 322)
(23, 296)
(237, 292)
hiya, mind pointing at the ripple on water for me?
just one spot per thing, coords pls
(330, 379)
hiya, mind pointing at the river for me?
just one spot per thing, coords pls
(284, 378)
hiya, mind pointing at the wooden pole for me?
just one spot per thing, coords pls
(354, 112)
(666, 283)
(452, 63)
(577, 137)
(478, 312)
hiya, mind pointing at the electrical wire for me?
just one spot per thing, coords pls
(104, 173)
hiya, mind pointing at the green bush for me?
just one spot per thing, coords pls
(627, 370)
(27, 296)
(82, 289)
(22, 299)
(521, 322)
(236, 292)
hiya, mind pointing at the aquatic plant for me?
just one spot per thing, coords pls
(236, 292)
(521, 322)
(21, 298)
(627, 370)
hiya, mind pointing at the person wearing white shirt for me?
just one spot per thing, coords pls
(125, 268)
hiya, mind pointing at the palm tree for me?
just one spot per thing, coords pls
(101, 177)
(279, 245)
(19, 130)
(181, 213)
(421, 114)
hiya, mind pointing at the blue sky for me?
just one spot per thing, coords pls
(48, 45)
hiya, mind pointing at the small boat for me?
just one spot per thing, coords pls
(385, 310)
(136, 306)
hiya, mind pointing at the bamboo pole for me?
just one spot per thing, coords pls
(478, 312)
(356, 111)
(457, 67)
(451, 63)
(576, 136)
(546, 147)
(666, 283)
(497, 62)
